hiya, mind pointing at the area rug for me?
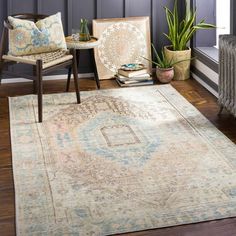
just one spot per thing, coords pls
(123, 160)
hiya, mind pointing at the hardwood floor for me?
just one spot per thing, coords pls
(190, 89)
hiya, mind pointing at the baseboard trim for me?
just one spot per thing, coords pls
(204, 84)
(49, 77)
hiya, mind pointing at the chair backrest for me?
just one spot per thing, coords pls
(25, 16)
(29, 16)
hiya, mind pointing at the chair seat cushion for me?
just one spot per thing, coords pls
(28, 37)
(48, 59)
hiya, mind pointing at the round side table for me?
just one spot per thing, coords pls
(79, 45)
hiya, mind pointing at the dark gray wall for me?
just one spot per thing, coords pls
(73, 10)
(3, 12)
(205, 10)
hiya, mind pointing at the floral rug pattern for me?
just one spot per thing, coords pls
(123, 160)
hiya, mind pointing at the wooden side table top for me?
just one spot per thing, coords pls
(71, 43)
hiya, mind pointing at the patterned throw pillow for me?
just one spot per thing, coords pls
(28, 37)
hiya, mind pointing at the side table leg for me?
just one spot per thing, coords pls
(92, 58)
(77, 58)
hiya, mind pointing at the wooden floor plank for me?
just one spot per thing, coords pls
(7, 226)
(7, 206)
(191, 90)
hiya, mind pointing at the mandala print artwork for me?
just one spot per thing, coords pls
(122, 41)
(128, 46)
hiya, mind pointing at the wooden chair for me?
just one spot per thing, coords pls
(42, 63)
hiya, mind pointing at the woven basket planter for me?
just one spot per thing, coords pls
(182, 69)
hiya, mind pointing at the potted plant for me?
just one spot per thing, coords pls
(180, 33)
(164, 66)
(84, 34)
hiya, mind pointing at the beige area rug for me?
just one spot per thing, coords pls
(124, 160)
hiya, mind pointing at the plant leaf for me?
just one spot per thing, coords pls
(180, 32)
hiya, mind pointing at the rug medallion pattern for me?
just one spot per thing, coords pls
(123, 160)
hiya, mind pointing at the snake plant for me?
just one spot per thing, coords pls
(162, 61)
(181, 31)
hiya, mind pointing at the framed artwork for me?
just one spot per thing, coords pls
(122, 41)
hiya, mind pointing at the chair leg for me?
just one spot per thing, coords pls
(68, 80)
(1, 69)
(76, 79)
(35, 87)
(77, 53)
(221, 110)
(40, 89)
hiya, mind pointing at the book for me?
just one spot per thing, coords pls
(132, 73)
(138, 78)
(142, 77)
(139, 83)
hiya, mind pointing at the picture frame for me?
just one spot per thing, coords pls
(122, 41)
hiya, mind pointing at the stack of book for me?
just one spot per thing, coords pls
(127, 78)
